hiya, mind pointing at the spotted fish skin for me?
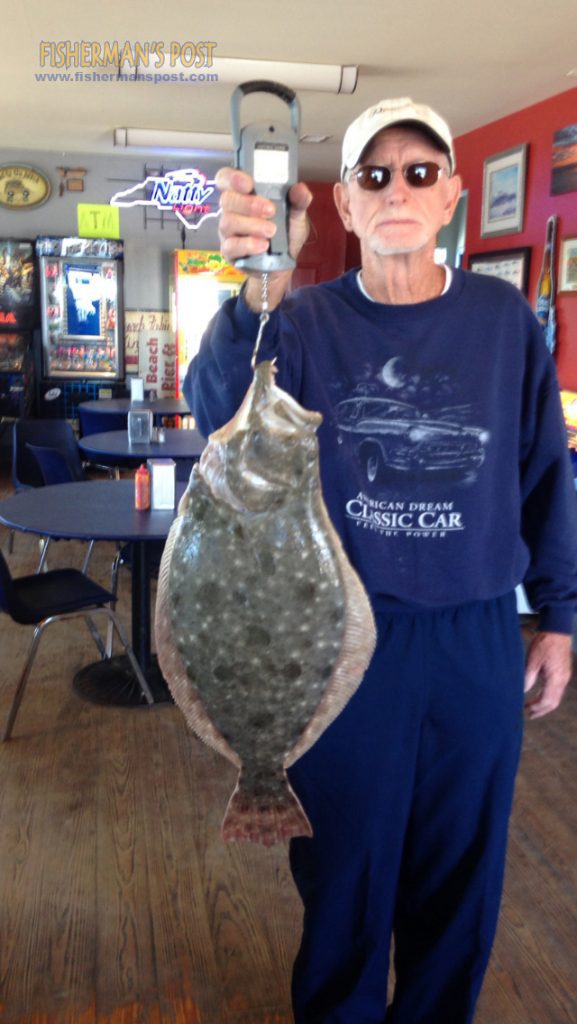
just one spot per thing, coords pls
(263, 629)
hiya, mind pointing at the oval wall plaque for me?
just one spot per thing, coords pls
(22, 187)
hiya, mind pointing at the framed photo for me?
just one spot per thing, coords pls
(504, 192)
(564, 169)
(568, 265)
(509, 264)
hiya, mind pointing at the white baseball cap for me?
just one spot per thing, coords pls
(386, 114)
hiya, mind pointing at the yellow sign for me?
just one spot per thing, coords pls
(203, 261)
(98, 220)
(22, 187)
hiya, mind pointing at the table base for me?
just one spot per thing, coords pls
(113, 683)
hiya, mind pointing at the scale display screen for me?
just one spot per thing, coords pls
(271, 163)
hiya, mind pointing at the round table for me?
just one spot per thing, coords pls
(112, 448)
(103, 510)
(158, 406)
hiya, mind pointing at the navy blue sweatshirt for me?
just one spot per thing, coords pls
(443, 451)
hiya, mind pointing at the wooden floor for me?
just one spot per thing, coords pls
(119, 904)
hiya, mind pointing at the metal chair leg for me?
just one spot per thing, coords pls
(131, 657)
(114, 588)
(87, 557)
(44, 545)
(38, 631)
(96, 637)
(17, 699)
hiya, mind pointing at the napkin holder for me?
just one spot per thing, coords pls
(139, 426)
(162, 483)
(136, 389)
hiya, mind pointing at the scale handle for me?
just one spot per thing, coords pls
(262, 85)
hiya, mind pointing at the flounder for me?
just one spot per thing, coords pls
(263, 628)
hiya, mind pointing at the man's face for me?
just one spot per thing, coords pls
(399, 218)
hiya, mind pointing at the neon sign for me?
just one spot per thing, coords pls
(186, 192)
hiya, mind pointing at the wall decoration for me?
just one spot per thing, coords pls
(151, 350)
(98, 220)
(71, 179)
(22, 187)
(564, 172)
(504, 192)
(509, 264)
(569, 405)
(546, 286)
(187, 192)
(568, 265)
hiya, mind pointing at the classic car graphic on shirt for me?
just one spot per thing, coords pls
(395, 437)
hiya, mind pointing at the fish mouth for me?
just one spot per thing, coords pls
(279, 410)
(280, 420)
(266, 451)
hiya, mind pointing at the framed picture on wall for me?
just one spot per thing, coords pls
(568, 265)
(504, 192)
(509, 264)
(564, 170)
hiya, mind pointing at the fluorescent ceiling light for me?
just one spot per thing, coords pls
(165, 139)
(315, 139)
(206, 143)
(334, 78)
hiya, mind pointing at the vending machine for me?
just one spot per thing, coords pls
(81, 306)
(200, 281)
(18, 318)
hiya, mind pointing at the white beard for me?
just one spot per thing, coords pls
(380, 248)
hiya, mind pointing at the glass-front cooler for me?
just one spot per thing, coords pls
(81, 304)
(200, 281)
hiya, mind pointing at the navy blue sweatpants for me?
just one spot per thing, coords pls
(409, 794)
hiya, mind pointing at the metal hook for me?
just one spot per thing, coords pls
(263, 320)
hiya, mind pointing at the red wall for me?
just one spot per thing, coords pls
(534, 125)
(330, 249)
(323, 256)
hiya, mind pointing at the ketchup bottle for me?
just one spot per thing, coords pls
(142, 488)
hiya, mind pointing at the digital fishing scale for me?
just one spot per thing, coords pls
(269, 153)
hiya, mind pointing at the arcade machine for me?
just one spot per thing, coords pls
(18, 318)
(81, 305)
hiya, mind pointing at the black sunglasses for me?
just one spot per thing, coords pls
(421, 174)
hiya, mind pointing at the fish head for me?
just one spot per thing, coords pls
(266, 452)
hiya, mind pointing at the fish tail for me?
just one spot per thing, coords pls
(267, 819)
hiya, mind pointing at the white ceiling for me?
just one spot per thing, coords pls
(475, 62)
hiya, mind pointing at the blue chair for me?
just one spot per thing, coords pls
(41, 599)
(93, 422)
(57, 468)
(26, 471)
(48, 433)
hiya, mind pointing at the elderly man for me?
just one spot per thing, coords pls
(445, 471)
